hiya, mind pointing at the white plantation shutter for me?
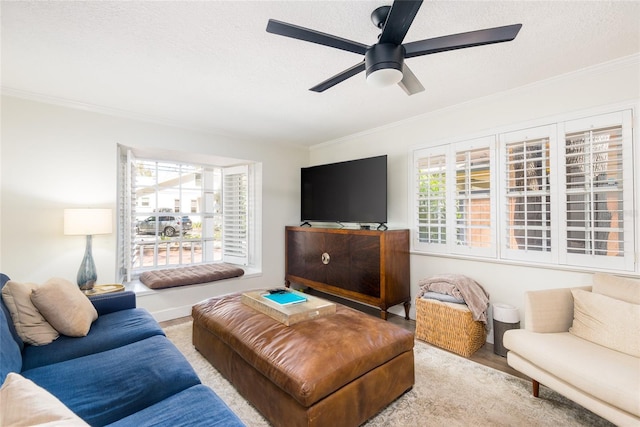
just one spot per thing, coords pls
(597, 182)
(130, 254)
(126, 219)
(528, 221)
(208, 217)
(454, 203)
(224, 206)
(235, 202)
(430, 195)
(474, 198)
(562, 194)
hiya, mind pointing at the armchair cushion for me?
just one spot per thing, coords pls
(64, 306)
(602, 374)
(617, 287)
(549, 310)
(606, 321)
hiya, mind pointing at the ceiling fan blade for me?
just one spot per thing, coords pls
(410, 83)
(462, 40)
(340, 77)
(301, 33)
(400, 17)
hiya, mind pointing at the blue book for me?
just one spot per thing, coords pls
(285, 298)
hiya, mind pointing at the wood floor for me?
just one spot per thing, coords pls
(484, 355)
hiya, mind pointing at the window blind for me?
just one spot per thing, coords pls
(565, 192)
(431, 198)
(528, 196)
(235, 202)
(475, 216)
(594, 192)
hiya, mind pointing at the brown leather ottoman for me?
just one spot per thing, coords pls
(337, 370)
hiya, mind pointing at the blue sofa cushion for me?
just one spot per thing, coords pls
(109, 331)
(105, 387)
(3, 280)
(197, 406)
(10, 356)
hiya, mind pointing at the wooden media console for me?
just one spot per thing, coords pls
(367, 266)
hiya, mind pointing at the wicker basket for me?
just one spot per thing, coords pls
(449, 326)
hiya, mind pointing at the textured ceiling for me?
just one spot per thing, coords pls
(211, 65)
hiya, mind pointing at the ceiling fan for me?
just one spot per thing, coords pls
(384, 60)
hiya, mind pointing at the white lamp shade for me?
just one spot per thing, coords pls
(384, 77)
(87, 222)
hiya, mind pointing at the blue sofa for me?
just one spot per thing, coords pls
(125, 372)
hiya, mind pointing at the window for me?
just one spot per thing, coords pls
(453, 198)
(475, 217)
(526, 194)
(236, 221)
(563, 195)
(175, 213)
(431, 212)
(598, 185)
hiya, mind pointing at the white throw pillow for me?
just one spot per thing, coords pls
(621, 288)
(65, 307)
(24, 403)
(606, 321)
(30, 324)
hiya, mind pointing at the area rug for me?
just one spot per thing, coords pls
(449, 390)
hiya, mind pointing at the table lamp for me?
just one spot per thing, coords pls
(87, 222)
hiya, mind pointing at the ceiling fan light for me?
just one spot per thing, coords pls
(384, 77)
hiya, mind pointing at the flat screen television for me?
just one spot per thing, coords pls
(351, 191)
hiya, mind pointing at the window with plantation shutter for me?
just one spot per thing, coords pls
(454, 205)
(526, 201)
(174, 213)
(431, 199)
(560, 194)
(235, 199)
(126, 219)
(474, 199)
(597, 165)
(129, 236)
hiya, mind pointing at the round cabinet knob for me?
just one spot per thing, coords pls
(325, 258)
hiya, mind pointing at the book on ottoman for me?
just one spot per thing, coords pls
(287, 313)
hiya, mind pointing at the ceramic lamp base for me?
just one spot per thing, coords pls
(87, 275)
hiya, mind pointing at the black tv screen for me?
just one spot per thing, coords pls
(352, 191)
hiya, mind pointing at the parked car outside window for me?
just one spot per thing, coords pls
(168, 225)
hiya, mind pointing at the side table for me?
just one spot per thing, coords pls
(104, 289)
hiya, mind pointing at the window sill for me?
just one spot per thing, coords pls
(570, 268)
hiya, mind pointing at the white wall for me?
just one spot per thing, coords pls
(55, 157)
(607, 84)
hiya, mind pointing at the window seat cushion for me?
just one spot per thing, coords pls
(182, 276)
